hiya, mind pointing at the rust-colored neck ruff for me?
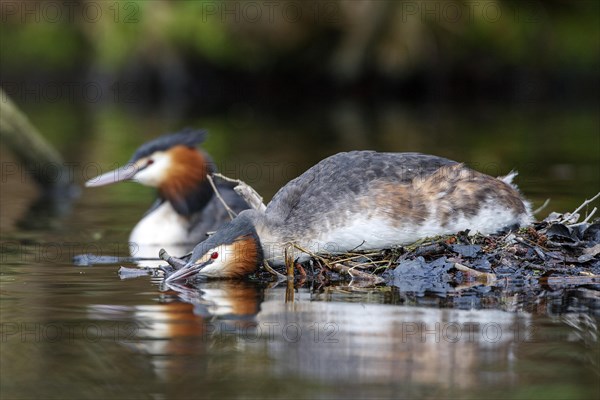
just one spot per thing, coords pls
(185, 185)
(246, 256)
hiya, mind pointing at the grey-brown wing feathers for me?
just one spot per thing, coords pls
(343, 177)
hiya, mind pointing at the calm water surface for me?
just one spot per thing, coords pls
(82, 332)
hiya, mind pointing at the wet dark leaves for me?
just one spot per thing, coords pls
(560, 232)
(546, 252)
(466, 250)
(419, 275)
(592, 233)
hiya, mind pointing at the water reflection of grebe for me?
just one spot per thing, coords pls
(369, 343)
(184, 322)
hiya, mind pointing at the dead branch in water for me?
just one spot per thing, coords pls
(30, 147)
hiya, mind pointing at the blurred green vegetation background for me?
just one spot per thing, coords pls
(498, 84)
(404, 49)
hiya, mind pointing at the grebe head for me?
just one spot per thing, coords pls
(234, 251)
(171, 163)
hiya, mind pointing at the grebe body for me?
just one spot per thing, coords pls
(360, 200)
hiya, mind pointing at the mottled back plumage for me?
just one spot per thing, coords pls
(341, 177)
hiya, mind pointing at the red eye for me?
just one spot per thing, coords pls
(150, 162)
(214, 255)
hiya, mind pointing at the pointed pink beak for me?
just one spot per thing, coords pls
(124, 173)
(187, 271)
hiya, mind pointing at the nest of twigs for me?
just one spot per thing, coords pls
(558, 249)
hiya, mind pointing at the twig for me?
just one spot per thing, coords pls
(172, 261)
(589, 216)
(540, 208)
(531, 244)
(572, 280)
(231, 213)
(356, 274)
(341, 269)
(534, 246)
(370, 264)
(485, 277)
(585, 203)
(351, 257)
(289, 264)
(363, 242)
(246, 191)
(289, 292)
(279, 276)
(320, 275)
(313, 255)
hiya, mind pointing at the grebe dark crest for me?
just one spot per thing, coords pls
(360, 200)
(186, 207)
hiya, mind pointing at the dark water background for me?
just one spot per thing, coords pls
(80, 332)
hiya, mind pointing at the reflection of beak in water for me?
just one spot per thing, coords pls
(222, 299)
(183, 323)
